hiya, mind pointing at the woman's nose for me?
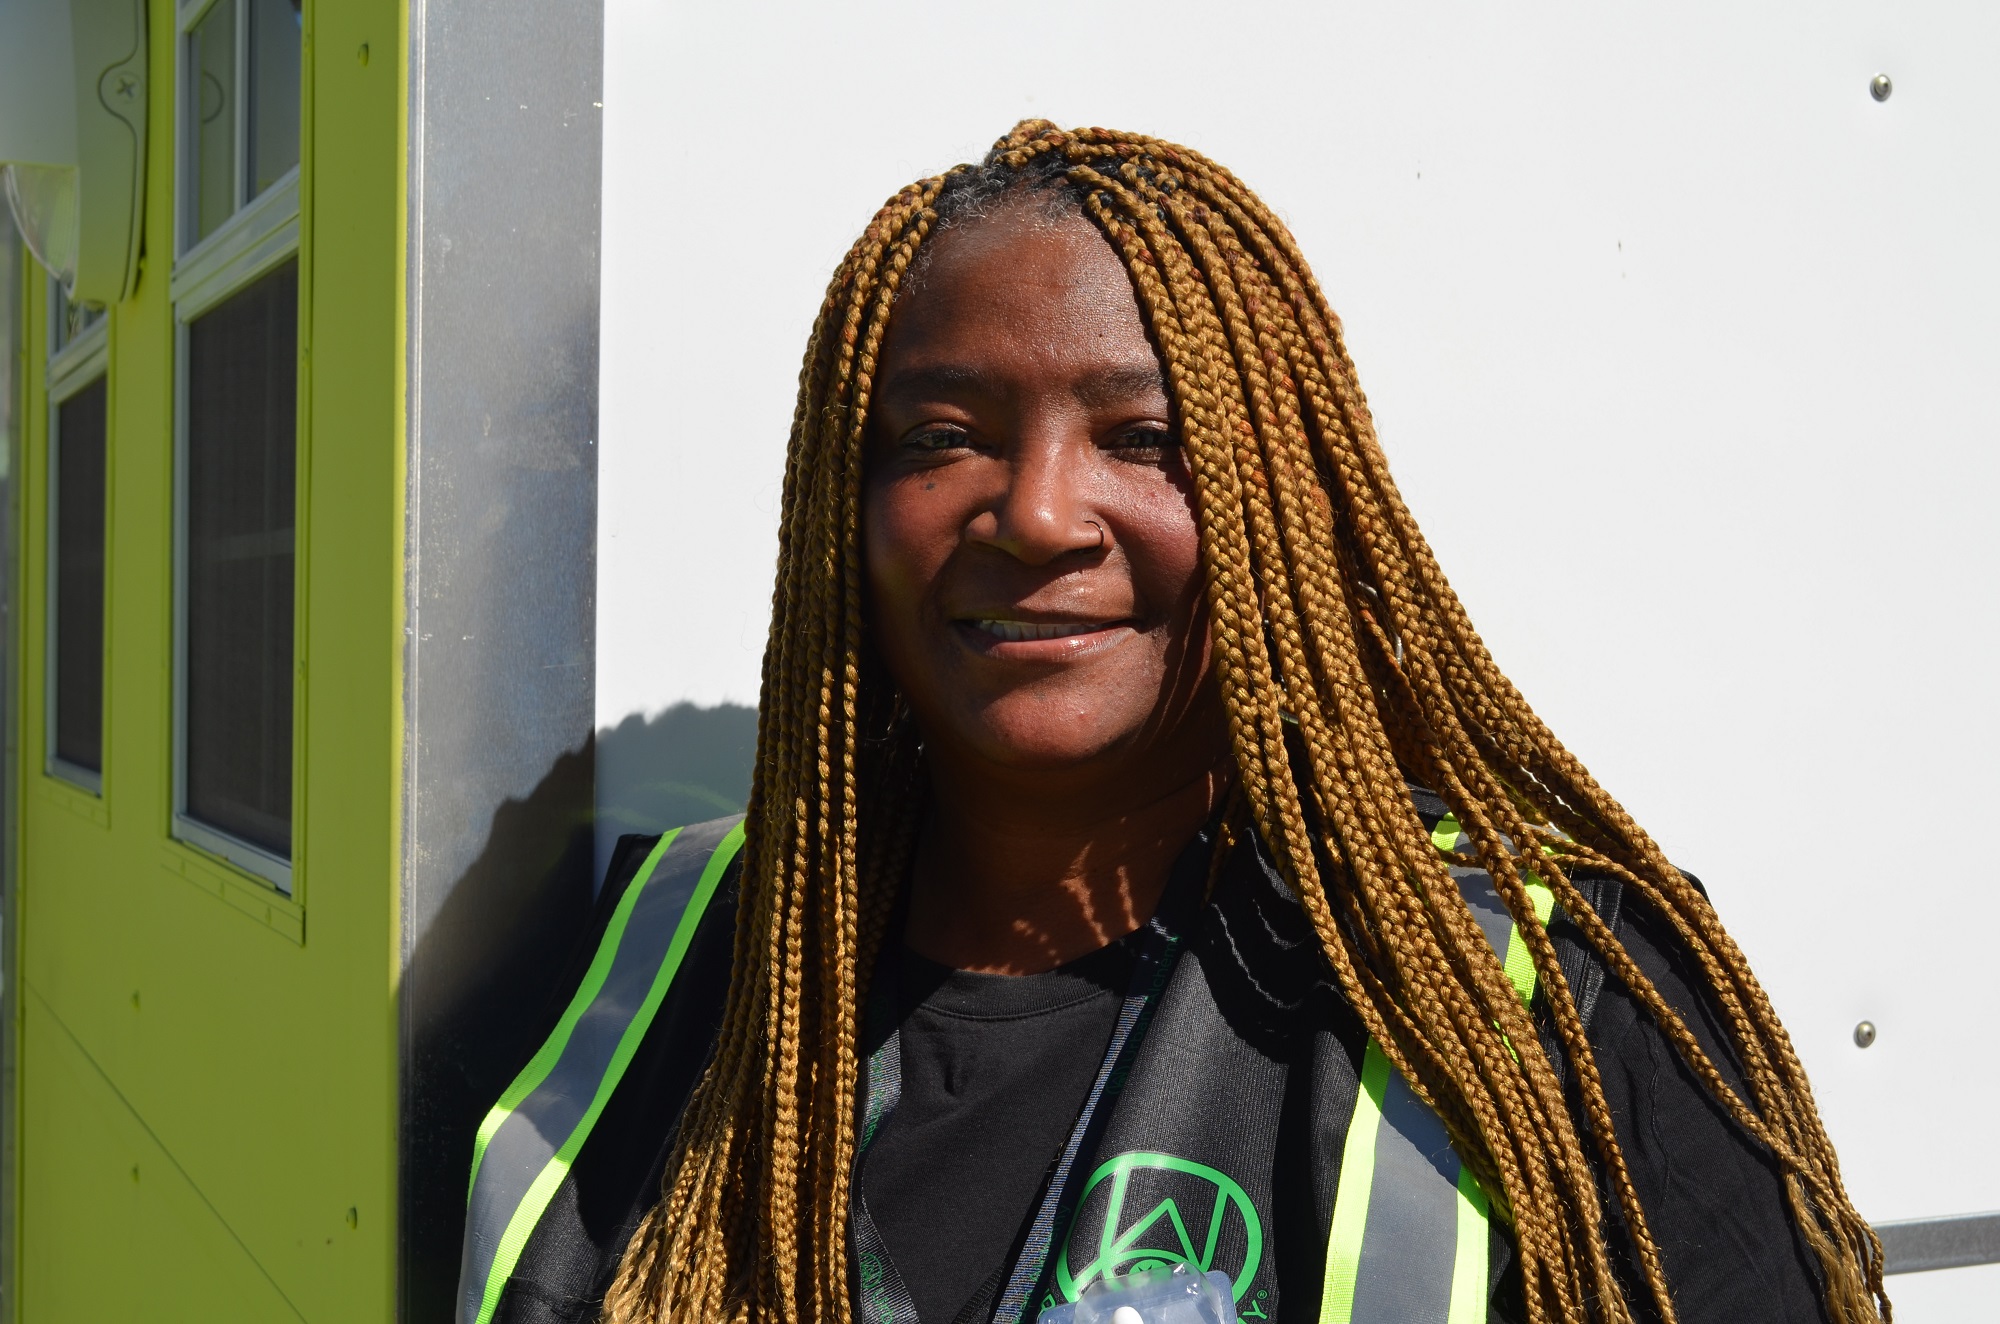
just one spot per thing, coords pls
(1045, 511)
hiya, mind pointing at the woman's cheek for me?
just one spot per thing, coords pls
(1165, 545)
(902, 556)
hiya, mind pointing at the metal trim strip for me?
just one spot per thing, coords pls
(1954, 1241)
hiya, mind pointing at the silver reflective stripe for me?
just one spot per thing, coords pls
(1411, 1241)
(1487, 907)
(528, 1141)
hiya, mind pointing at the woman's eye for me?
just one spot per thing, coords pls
(1146, 442)
(930, 441)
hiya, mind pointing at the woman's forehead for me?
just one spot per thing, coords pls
(1024, 233)
(1018, 285)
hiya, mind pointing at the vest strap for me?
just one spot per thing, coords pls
(1409, 1238)
(528, 1141)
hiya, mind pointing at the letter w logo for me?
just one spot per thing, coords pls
(1160, 1210)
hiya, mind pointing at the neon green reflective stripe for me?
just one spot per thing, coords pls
(1468, 1266)
(1520, 962)
(544, 1061)
(1350, 1201)
(543, 1188)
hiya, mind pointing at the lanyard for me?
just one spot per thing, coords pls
(883, 1297)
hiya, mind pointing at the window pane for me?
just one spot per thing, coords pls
(212, 110)
(241, 462)
(274, 90)
(70, 319)
(77, 503)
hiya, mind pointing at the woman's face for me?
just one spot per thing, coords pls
(1031, 551)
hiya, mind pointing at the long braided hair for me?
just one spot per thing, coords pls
(1330, 619)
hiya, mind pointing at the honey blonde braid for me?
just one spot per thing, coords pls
(1330, 618)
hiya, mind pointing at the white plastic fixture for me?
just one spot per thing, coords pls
(73, 138)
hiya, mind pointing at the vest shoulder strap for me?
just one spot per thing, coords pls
(528, 1140)
(1408, 1243)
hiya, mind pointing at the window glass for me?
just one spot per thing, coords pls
(76, 655)
(212, 112)
(275, 26)
(70, 320)
(241, 462)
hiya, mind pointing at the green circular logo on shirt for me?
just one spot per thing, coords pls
(1154, 1211)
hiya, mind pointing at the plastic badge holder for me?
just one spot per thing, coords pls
(1151, 1296)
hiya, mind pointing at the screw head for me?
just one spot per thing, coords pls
(1864, 1034)
(1880, 87)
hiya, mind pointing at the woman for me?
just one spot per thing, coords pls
(1146, 863)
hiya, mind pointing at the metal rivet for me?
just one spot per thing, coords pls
(1880, 87)
(1864, 1034)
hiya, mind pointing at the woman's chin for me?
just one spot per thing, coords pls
(1094, 732)
(1052, 748)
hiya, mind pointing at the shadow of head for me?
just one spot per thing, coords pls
(682, 765)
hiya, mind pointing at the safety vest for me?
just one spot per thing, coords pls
(1409, 1236)
(532, 1135)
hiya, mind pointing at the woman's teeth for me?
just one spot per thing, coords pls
(1015, 632)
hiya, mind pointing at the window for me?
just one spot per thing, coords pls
(242, 395)
(239, 109)
(78, 435)
(213, 190)
(69, 323)
(236, 299)
(271, 131)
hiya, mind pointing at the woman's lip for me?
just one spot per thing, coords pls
(1015, 631)
(1038, 640)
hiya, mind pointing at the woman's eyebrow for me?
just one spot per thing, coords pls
(1099, 387)
(932, 381)
(1119, 385)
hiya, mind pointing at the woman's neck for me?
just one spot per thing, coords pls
(1017, 876)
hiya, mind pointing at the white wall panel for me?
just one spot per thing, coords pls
(1681, 344)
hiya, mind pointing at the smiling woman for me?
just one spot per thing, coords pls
(1034, 581)
(1147, 867)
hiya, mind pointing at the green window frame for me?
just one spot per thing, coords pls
(235, 588)
(79, 360)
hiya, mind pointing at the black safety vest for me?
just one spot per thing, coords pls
(1181, 1171)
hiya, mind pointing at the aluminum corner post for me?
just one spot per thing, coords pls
(504, 169)
(13, 273)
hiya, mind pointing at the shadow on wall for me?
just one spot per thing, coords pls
(683, 765)
(495, 967)
(481, 987)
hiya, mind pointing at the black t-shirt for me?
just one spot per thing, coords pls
(975, 1111)
(995, 1069)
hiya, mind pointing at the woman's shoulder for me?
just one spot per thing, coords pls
(1714, 1197)
(634, 939)
(614, 1178)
